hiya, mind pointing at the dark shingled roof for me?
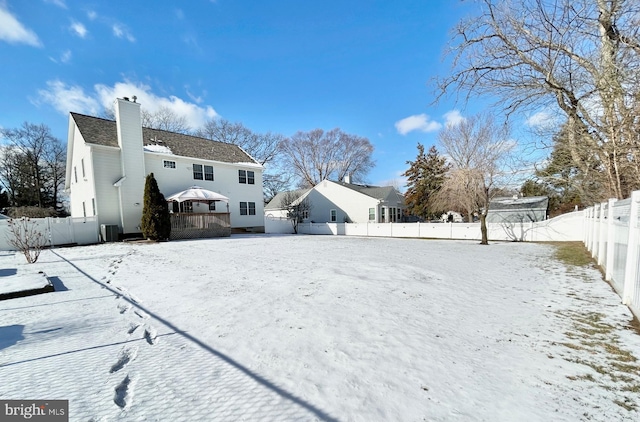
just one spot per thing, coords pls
(99, 131)
(527, 202)
(377, 192)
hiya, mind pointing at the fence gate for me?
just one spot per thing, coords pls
(61, 231)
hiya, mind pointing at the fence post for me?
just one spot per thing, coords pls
(594, 226)
(602, 235)
(586, 226)
(631, 266)
(608, 265)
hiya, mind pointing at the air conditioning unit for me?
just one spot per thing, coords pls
(109, 232)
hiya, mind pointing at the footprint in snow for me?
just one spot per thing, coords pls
(124, 393)
(126, 356)
(123, 308)
(151, 335)
(132, 328)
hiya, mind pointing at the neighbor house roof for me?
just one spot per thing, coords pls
(276, 202)
(99, 131)
(377, 192)
(527, 202)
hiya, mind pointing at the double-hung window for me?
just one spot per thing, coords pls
(197, 171)
(251, 178)
(208, 173)
(242, 176)
(247, 208)
(334, 216)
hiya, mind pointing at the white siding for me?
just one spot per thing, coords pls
(105, 171)
(81, 188)
(225, 182)
(349, 204)
(129, 129)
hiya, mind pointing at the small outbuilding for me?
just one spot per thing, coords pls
(518, 209)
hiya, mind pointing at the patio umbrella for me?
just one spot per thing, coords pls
(197, 194)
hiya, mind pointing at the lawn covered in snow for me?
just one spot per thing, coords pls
(321, 328)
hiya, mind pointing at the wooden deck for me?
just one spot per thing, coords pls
(200, 225)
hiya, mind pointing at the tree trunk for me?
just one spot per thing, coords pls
(483, 229)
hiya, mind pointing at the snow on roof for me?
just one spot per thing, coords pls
(162, 149)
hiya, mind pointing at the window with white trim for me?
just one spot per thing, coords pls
(208, 172)
(75, 174)
(168, 164)
(197, 172)
(247, 208)
(93, 205)
(334, 216)
(251, 177)
(82, 164)
(242, 176)
(372, 214)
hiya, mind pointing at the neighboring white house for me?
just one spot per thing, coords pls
(108, 161)
(345, 202)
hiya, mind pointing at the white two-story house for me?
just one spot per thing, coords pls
(108, 161)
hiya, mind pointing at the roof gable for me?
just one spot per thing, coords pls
(276, 201)
(103, 132)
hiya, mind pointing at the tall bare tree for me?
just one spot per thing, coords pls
(318, 155)
(580, 56)
(478, 150)
(261, 146)
(32, 166)
(163, 118)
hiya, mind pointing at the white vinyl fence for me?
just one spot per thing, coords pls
(567, 227)
(58, 231)
(612, 231)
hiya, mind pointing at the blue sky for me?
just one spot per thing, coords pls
(284, 65)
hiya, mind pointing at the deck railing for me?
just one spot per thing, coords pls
(200, 225)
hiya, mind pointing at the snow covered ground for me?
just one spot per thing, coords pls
(321, 328)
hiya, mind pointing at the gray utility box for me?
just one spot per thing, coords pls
(109, 232)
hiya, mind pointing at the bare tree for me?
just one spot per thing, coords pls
(25, 236)
(32, 166)
(297, 207)
(478, 150)
(262, 147)
(163, 118)
(580, 56)
(318, 155)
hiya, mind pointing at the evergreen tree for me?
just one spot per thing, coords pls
(156, 220)
(424, 178)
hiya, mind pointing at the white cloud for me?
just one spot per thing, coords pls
(121, 31)
(196, 115)
(79, 29)
(543, 120)
(92, 15)
(13, 32)
(66, 56)
(418, 122)
(65, 98)
(453, 117)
